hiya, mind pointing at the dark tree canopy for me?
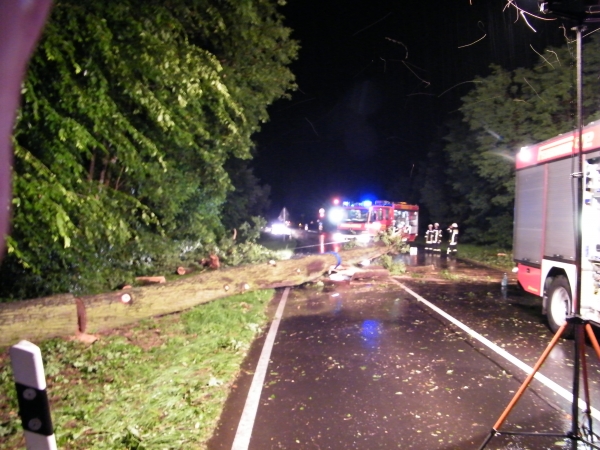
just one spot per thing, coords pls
(471, 179)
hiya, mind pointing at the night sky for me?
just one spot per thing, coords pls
(376, 81)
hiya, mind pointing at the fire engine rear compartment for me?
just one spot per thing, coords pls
(544, 213)
(544, 240)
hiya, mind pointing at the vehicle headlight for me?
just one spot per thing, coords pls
(336, 215)
(279, 228)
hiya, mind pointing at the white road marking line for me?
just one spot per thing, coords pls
(244, 430)
(517, 362)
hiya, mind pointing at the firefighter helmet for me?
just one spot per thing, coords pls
(454, 225)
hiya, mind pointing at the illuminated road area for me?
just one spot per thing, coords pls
(374, 365)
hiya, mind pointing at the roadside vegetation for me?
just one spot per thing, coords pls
(449, 275)
(160, 384)
(247, 248)
(393, 241)
(489, 255)
(396, 246)
(394, 267)
(282, 248)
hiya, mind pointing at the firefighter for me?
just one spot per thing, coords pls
(437, 238)
(453, 239)
(429, 238)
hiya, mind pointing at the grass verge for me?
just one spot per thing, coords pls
(491, 256)
(160, 384)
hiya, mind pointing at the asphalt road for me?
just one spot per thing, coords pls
(374, 365)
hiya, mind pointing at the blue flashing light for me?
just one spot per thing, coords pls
(367, 203)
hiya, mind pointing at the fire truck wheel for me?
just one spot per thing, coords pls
(559, 305)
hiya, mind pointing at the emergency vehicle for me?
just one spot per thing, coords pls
(545, 230)
(365, 220)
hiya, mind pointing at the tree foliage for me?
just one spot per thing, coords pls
(474, 173)
(248, 198)
(131, 112)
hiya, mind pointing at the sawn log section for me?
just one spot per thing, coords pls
(66, 315)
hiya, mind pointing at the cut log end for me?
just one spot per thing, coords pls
(212, 262)
(151, 280)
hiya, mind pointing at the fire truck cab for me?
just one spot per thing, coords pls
(545, 227)
(365, 220)
(406, 220)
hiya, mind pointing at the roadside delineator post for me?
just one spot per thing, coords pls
(34, 409)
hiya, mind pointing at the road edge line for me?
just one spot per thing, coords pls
(246, 424)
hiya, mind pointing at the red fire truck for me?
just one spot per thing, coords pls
(545, 232)
(364, 220)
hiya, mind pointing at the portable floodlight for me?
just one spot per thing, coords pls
(582, 11)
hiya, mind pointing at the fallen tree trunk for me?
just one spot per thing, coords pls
(66, 315)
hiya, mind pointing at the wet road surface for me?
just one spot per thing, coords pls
(365, 365)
